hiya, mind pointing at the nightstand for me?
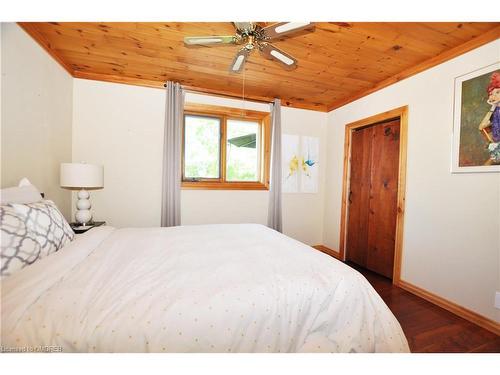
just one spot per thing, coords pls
(79, 229)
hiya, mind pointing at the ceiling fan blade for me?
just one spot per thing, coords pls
(239, 61)
(209, 40)
(282, 29)
(244, 27)
(273, 53)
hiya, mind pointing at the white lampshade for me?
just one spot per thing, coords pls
(81, 175)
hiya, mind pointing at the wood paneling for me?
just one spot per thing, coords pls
(446, 55)
(338, 63)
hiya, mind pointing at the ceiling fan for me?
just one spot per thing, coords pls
(252, 36)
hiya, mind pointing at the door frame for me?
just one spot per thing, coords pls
(402, 114)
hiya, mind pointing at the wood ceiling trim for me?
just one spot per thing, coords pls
(478, 41)
(117, 79)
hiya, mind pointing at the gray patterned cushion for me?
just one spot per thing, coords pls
(19, 247)
(47, 224)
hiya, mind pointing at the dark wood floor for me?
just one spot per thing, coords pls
(429, 328)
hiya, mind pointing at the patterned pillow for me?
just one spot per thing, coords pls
(47, 225)
(18, 247)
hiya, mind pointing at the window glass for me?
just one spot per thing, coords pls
(201, 147)
(242, 150)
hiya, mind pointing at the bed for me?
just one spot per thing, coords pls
(206, 288)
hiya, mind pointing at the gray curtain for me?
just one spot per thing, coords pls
(171, 188)
(274, 216)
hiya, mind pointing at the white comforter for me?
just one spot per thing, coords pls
(210, 288)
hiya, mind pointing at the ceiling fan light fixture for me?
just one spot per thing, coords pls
(238, 62)
(290, 26)
(213, 40)
(284, 59)
(210, 40)
(203, 40)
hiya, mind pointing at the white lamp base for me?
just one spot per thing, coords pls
(83, 214)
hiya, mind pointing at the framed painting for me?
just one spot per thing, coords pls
(476, 124)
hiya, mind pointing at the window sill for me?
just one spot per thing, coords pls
(209, 185)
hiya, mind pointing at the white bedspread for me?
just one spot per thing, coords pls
(208, 288)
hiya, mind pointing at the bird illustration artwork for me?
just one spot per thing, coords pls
(309, 162)
(305, 164)
(293, 166)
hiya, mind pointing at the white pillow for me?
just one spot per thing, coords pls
(23, 194)
(24, 182)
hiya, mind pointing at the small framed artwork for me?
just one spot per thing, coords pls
(300, 158)
(476, 124)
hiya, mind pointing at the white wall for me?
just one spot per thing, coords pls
(121, 127)
(451, 237)
(36, 115)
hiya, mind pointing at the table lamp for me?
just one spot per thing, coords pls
(82, 176)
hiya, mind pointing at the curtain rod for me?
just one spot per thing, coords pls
(196, 90)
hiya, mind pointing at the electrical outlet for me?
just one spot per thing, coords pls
(497, 300)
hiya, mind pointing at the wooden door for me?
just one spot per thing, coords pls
(359, 195)
(373, 194)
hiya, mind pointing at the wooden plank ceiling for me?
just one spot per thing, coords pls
(337, 63)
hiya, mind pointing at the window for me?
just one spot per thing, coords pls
(202, 147)
(225, 148)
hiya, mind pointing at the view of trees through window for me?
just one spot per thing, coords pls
(242, 158)
(202, 148)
